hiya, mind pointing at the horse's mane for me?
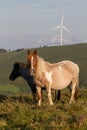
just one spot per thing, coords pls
(41, 65)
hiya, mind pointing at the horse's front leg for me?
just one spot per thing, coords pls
(49, 95)
(39, 95)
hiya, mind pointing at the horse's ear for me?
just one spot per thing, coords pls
(28, 51)
(16, 64)
(35, 52)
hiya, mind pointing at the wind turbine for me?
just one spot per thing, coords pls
(61, 26)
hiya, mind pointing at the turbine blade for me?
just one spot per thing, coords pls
(62, 20)
(55, 27)
(66, 29)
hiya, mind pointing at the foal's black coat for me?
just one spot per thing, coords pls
(22, 69)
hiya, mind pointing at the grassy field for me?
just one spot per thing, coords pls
(9, 89)
(17, 112)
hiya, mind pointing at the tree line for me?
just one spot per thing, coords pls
(2, 50)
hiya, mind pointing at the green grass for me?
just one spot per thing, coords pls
(17, 112)
(9, 89)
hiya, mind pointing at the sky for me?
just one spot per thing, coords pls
(24, 22)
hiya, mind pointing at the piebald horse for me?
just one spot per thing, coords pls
(55, 76)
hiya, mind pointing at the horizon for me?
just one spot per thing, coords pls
(38, 47)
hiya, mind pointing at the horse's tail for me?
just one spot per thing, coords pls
(76, 89)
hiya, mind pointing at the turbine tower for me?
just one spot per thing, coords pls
(61, 26)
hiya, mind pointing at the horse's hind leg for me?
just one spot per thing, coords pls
(57, 95)
(73, 91)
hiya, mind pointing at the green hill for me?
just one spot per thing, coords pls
(76, 53)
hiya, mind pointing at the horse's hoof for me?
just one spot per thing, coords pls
(51, 104)
(71, 102)
(39, 105)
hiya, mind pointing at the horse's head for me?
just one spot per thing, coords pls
(32, 61)
(15, 72)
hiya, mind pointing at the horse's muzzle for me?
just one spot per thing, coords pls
(10, 78)
(32, 72)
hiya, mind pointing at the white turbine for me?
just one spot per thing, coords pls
(61, 26)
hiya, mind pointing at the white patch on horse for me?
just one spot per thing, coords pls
(48, 76)
(60, 68)
(32, 62)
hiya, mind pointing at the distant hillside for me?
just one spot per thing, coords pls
(76, 53)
